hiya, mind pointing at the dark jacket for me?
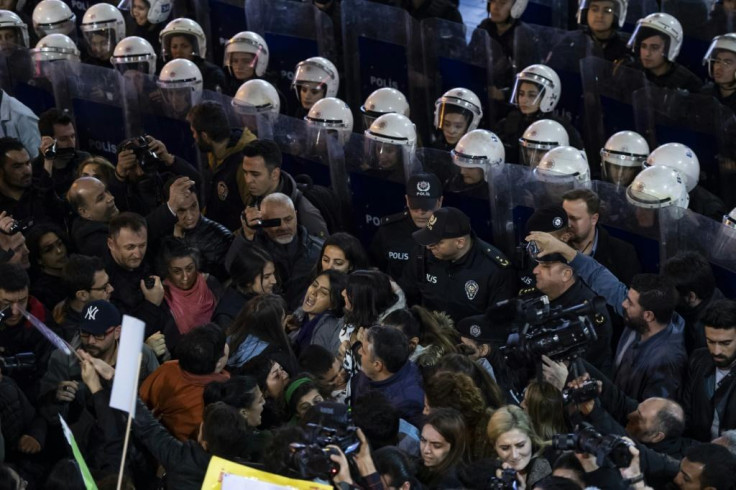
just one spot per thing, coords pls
(229, 306)
(676, 77)
(712, 89)
(18, 417)
(461, 288)
(706, 203)
(48, 289)
(443, 9)
(694, 325)
(699, 395)
(90, 237)
(617, 256)
(223, 203)
(393, 243)
(403, 389)
(213, 78)
(581, 43)
(213, 241)
(38, 202)
(64, 176)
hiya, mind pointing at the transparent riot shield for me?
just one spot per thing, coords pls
(684, 230)
(225, 19)
(24, 80)
(551, 13)
(638, 9)
(94, 95)
(693, 16)
(532, 44)
(450, 61)
(294, 32)
(464, 188)
(607, 89)
(697, 121)
(382, 48)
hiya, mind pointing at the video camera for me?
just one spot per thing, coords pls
(606, 449)
(557, 332)
(21, 226)
(147, 159)
(585, 393)
(507, 480)
(325, 424)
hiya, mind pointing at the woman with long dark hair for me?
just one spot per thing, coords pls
(49, 252)
(442, 446)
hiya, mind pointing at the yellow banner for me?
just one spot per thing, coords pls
(219, 467)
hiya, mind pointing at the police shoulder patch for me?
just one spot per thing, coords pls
(496, 255)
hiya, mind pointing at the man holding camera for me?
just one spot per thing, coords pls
(59, 156)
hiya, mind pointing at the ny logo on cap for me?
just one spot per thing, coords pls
(91, 313)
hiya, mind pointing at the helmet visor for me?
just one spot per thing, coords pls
(527, 95)
(242, 65)
(11, 38)
(65, 27)
(645, 200)
(139, 66)
(384, 158)
(179, 99)
(621, 175)
(179, 46)
(531, 152)
(100, 44)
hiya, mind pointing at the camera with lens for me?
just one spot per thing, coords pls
(607, 449)
(19, 227)
(557, 332)
(585, 393)
(21, 362)
(507, 480)
(325, 424)
(50, 152)
(147, 159)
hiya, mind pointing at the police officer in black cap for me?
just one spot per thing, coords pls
(393, 241)
(453, 270)
(550, 219)
(558, 281)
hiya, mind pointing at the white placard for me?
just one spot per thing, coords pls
(237, 482)
(125, 384)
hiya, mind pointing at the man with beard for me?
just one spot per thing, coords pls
(708, 396)
(20, 196)
(62, 391)
(58, 131)
(650, 358)
(95, 207)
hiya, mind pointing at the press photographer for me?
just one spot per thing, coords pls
(143, 167)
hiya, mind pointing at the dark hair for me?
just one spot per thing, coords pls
(671, 420)
(210, 117)
(258, 367)
(79, 273)
(423, 324)
(556, 483)
(9, 144)
(261, 316)
(248, 265)
(568, 461)
(544, 406)
(268, 150)
(13, 277)
(463, 364)
(456, 390)
(292, 397)
(316, 360)
(646, 33)
(592, 201)
(106, 168)
(450, 425)
(378, 419)
(174, 248)
(350, 246)
(690, 271)
(199, 349)
(392, 462)
(132, 221)
(390, 345)
(656, 294)
(34, 237)
(278, 455)
(370, 294)
(225, 431)
(338, 281)
(719, 465)
(53, 116)
(720, 314)
(236, 392)
(65, 475)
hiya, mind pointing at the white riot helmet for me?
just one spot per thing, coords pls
(55, 47)
(623, 156)
(103, 19)
(548, 82)
(664, 24)
(11, 20)
(329, 114)
(256, 97)
(517, 9)
(183, 27)
(458, 101)
(53, 17)
(316, 72)
(389, 136)
(134, 53)
(727, 42)
(658, 187)
(564, 164)
(479, 149)
(383, 101)
(678, 157)
(180, 80)
(159, 10)
(540, 137)
(619, 11)
(249, 43)
(730, 219)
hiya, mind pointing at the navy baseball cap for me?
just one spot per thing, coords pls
(547, 219)
(98, 316)
(423, 191)
(479, 328)
(444, 223)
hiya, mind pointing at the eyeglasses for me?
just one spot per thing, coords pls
(104, 287)
(86, 335)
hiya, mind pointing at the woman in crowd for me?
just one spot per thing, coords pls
(342, 252)
(430, 333)
(442, 446)
(98, 167)
(253, 273)
(301, 394)
(272, 379)
(458, 363)
(543, 403)
(145, 23)
(48, 246)
(317, 320)
(515, 443)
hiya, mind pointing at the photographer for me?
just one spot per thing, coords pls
(144, 165)
(58, 155)
(13, 248)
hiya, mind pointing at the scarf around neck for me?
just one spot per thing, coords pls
(190, 308)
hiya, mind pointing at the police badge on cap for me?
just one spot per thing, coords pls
(423, 191)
